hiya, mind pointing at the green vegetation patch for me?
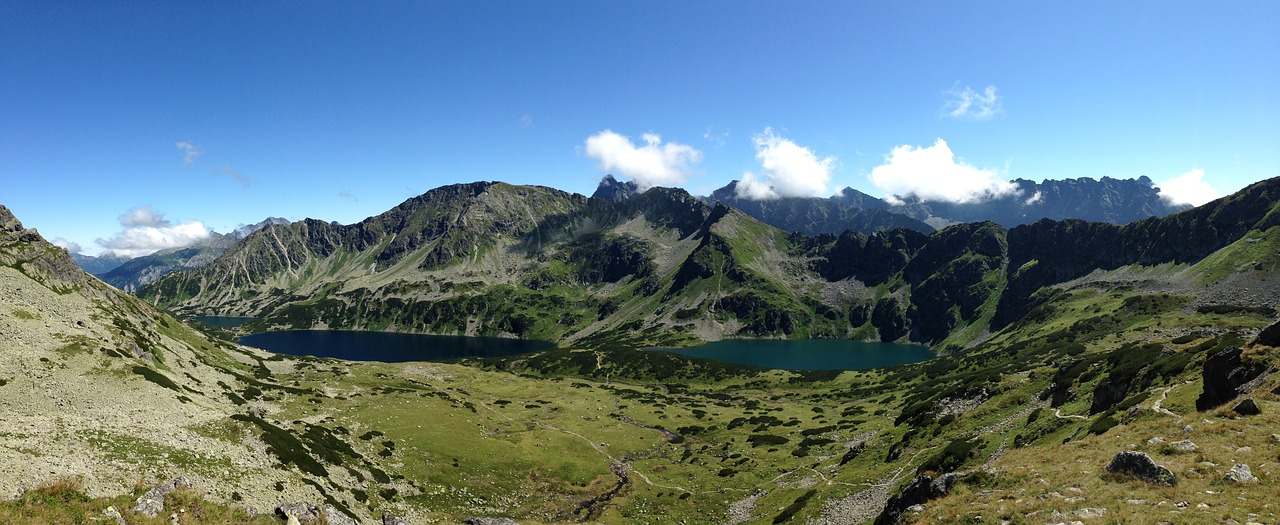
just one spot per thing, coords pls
(156, 377)
(284, 446)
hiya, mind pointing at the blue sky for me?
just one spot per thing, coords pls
(132, 125)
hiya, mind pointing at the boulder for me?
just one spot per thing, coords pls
(1185, 445)
(1247, 407)
(1141, 466)
(490, 521)
(1269, 336)
(1240, 474)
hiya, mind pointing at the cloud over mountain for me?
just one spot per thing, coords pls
(787, 170)
(1188, 188)
(147, 231)
(933, 173)
(651, 164)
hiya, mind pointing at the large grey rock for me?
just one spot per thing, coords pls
(1141, 466)
(1240, 474)
(1185, 445)
(152, 503)
(490, 521)
(1247, 407)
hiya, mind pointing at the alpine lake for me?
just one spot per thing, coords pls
(389, 347)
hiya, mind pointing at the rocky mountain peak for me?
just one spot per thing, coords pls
(27, 250)
(613, 191)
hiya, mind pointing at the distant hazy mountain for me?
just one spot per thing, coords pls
(100, 263)
(812, 216)
(141, 271)
(1117, 201)
(809, 216)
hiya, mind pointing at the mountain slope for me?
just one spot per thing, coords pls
(663, 268)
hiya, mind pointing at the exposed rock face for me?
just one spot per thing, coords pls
(30, 253)
(1226, 376)
(1247, 407)
(1269, 336)
(1240, 474)
(1141, 466)
(152, 503)
(613, 191)
(918, 492)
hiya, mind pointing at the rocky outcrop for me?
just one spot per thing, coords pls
(1226, 375)
(1141, 466)
(918, 492)
(27, 251)
(151, 503)
(611, 190)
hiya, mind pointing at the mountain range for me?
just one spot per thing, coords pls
(664, 267)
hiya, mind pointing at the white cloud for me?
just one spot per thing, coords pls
(69, 246)
(189, 151)
(653, 164)
(143, 216)
(718, 137)
(1188, 188)
(1038, 197)
(526, 121)
(933, 173)
(787, 170)
(969, 104)
(146, 231)
(349, 195)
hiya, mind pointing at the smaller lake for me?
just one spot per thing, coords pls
(388, 347)
(223, 321)
(808, 354)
